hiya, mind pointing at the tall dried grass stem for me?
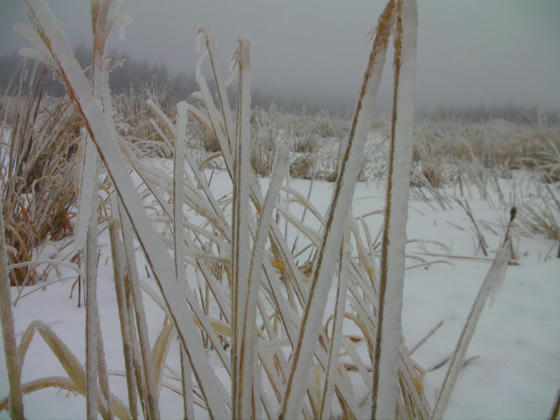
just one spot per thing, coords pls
(8, 333)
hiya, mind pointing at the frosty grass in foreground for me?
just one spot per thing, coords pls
(253, 323)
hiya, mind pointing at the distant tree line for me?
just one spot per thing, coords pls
(126, 74)
(509, 112)
(131, 75)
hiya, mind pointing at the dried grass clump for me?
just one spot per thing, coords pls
(302, 125)
(135, 120)
(498, 146)
(448, 151)
(330, 126)
(309, 136)
(39, 155)
(205, 134)
(427, 175)
(261, 160)
(548, 157)
(303, 166)
(307, 144)
(541, 215)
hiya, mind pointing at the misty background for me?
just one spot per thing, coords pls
(313, 53)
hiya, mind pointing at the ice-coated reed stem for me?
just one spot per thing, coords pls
(336, 221)
(92, 314)
(390, 295)
(125, 322)
(179, 242)
(336, 337)
(15, 400)
(241, 393)
(149, 383)
(249, 325)
(493, 278)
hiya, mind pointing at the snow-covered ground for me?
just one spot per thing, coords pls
(515, 374)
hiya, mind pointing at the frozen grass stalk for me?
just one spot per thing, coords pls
(125, 322)
(494, 277)
(249, 324)
(179, 241)
(241, 361)
(147, 373)
(8, 332)
(334, 228)
(389, 330)
(336, 338)
(76, 380)
(95, 360)
(92, 315)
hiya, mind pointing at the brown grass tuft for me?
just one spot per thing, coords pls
(37, 170)
(302, 166)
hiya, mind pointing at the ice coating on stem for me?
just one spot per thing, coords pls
(333, 232)
(389, 328)
(241, 380)
(494, 277)
(88, 184)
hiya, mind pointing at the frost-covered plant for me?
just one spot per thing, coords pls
(263, 315)
(38, 162)
(541, 216)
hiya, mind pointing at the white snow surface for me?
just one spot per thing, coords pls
(517, 342)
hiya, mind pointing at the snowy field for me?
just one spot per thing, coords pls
(282, 302)
(514, 366)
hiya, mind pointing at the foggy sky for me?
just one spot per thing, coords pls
(469, 52)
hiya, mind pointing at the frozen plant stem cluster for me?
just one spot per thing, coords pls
(228, 280)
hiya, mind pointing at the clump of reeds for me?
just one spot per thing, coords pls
(497, 147)
(541, 215)
(227, 278)
(262, 279)
(303, 166)
(39, 154)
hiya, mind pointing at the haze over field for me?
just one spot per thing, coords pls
(470, 53)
